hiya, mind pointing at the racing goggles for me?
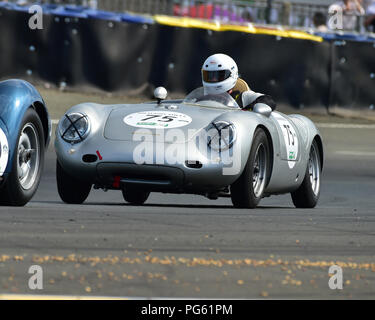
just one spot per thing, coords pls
(215, 76)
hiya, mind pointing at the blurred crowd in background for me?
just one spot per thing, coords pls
(322, 15)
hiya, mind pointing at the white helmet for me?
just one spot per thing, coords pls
(219, 74)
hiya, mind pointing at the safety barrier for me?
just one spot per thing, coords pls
(127, 53)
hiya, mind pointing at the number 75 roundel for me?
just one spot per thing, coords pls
(157, 119)
(290, 139)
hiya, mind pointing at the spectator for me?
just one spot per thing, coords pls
(370, 13)
(247, 15)
(319, 20)
(350, 10)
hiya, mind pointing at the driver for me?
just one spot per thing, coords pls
(220, 74)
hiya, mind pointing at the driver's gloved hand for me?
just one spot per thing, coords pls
(250, 98)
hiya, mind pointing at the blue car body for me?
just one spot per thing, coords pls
(16, 97)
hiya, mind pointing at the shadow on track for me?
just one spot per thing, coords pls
(158, 205)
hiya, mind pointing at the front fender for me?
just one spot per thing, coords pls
(246, 124)
(16, 96)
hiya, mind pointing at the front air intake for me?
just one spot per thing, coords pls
(193, 164)
(90, 158)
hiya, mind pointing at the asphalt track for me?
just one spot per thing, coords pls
(189, 246)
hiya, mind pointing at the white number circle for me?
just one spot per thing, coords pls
(157, 119)
(290, 139)
(4, 152)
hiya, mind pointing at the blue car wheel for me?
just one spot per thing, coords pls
(27, 162)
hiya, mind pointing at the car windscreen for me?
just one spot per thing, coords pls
(198, 97)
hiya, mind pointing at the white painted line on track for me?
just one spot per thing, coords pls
(344, 126)
(356, 153)
(13, 296)
(58, 297)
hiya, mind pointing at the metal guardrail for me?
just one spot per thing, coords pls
(276, 12)
(261, 11)
(138, 6)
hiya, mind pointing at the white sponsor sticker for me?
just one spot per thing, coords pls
(157, 119)
(4, 152)
(290, 139)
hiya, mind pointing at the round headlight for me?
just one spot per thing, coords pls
(74, 127)
(221, 135)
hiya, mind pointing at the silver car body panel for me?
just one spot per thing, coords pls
(112, 139)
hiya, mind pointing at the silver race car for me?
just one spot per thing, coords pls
(204, 144)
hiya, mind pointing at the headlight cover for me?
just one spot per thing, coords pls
(74, 127)
(221, 135)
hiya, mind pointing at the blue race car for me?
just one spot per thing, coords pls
(25, 132)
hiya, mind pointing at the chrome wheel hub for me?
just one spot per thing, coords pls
(28, 156)
(259, 171)
(314, 170)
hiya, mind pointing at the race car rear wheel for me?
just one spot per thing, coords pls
(248, 189)
(307, 195)
(71, 190)
(134, 195)
(27, 162)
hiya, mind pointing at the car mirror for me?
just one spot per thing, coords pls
(262, 109)
(160, 94)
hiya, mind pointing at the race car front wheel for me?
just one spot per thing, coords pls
(134, 195)
(248, 189)
(71, 190)
(307, 195)
(27, 162)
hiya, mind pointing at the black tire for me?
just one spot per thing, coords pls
(307, 195)
(243, 193)
(134, 195)
(71, 190)
(18, 191)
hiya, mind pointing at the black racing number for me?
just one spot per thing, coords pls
(149, 118)
(290, 134)
(167, 119)
(163, 118)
